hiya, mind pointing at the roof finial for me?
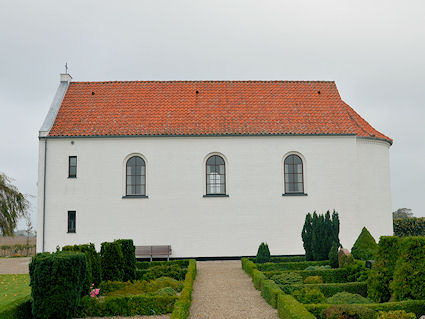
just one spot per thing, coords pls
(66, 67)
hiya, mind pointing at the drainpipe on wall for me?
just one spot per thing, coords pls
(44, 194)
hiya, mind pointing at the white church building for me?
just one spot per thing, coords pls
(212, 168)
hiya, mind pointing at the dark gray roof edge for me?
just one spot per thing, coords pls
(195, 135)
(54, 108)
(375, 138)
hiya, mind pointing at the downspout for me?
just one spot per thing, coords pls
(44, 195)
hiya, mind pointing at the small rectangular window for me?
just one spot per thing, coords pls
(72, 167)
(71, 221)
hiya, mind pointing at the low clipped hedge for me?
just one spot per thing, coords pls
(339, 275)
(257, 278)
(125, 306)
(415, 306)
(164, 270)
(270, 291)
(248, 265)
(56, 283)
(289, 308)
(301, 265)
(18, 309)
(287, 259)
(331, 289)
(182, 306)
(140, 265)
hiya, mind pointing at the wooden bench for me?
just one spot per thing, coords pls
(153, 251)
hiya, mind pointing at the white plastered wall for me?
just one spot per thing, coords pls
(176, 212)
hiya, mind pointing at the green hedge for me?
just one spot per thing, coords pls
(301, 265)
(129, 257)
(339, 275)
(289, 308)
(112, 261)
(409, 272)
(56, 283)
(413, 226)
(164, 270)
(257, 278)
(270, 291)
(248, 265)
(140, 265)
(415, 306)
(382, 271)
(182, 306)
(287, 259)
(125, 306)
(332, 288)
(93, 264)
(18, 309)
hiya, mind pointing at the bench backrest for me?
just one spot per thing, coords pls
(160, 250)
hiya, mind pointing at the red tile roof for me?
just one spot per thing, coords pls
(177, 108)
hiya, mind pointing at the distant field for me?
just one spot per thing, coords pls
(13, 287)
(14, 246)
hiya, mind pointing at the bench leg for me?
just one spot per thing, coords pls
(168, 258)
(151, 258)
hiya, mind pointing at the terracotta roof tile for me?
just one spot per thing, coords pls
(151, 108)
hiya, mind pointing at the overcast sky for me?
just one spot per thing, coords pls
(374, 50)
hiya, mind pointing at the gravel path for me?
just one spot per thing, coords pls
(17, 265)
(223, 290)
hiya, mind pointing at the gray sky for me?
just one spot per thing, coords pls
(374, 50)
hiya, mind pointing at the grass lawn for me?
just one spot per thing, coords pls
(13, 287)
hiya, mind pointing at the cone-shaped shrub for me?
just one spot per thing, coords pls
(365, 247)
(112, 261)
(129, 255)
(263, 254)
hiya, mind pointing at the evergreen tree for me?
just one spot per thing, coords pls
(333, 256)
(365, 246)
(335, 226)
(263, 254)
(329, 237)
(306, 235)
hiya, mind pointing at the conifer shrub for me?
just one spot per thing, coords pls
(365, 247)
(129, 257)
(307, 236)
(382, 271)
(412, 226)
(308, 295)
(287, 278)
(112, 261)
(333, 256)
(396, 314)
(93, 264)
(263, 254)
(56, 283)
(409, 272)
(346, 260)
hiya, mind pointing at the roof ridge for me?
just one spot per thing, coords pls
(207, 81)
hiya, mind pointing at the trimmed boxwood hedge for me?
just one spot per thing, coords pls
(339, 275)
(129, 258)
(165, 270)
(289, 308)
(300, 265)
(248, 265)
(56, 283)
(140, 265)
(270, 291)
(182, 306)
(415, 306)
(332, 288)
(257, 278)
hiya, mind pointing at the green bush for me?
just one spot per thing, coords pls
(183, 263)
(164, 282)
(333, 256)
(349, 312)
(248, 266)
(17, 309)
(289, 308)
(409, 272)
(341, 298)
(307, 236)
(365, 247)
(56, 283)
(328, 275)
(166, 291)
(287, 278)
(129, 258)
(396, 314)
(182, 306)
(291, 265)
(332, 288)
(257, 278)
(112, 261)
(412, 226)
(287, 259)
(263, 254)
(346, 260)
(382, 271)
(270, 291)
(93, 264)
(125, 306)
(165, 270)
(309, 295)
(313, 280)
(323, 267)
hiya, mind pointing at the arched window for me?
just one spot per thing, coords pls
(294, 179)
(216, 175)
(135, 176)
